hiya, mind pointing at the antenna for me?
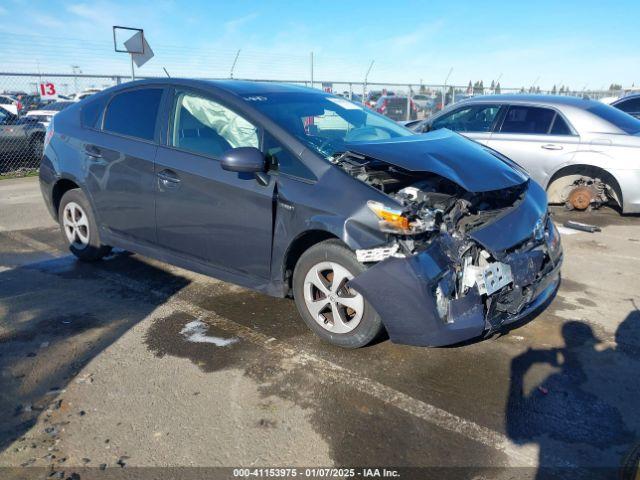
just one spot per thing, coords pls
(167, 73)
(233, 66)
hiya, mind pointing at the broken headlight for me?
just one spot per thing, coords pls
(396, 221)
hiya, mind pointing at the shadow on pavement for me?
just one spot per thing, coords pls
(579, 415)
(55, 317)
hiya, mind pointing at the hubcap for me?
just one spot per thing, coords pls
(330, 302)
(76, 225)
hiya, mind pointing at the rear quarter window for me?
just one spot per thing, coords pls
(91, 112)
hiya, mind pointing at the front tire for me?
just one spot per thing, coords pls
(334, 312)
(79, 227)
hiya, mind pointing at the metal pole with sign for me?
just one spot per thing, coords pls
(136, 46)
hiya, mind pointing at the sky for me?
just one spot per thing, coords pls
(584, 44)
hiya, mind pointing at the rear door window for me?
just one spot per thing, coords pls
(204, 126)
(133, 113)
(529, 120)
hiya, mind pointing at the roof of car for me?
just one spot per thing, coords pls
(578, 102)
(239, 87)
(626, 97)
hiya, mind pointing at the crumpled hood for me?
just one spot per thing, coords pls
(445, 153)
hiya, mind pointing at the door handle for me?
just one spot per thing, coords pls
(92, 151)
(552, 146)
(168, 178)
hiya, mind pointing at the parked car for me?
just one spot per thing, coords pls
(21, 142)
(629, 104)
(584, 153)
(31, 102)
(86, 93)
(395, 107)
(434, 238)
(374, 95)
(45, 115)
(10, 104)
(423, 102)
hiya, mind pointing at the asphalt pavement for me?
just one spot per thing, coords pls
(130, 362)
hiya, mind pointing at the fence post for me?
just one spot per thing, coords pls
(409, 104)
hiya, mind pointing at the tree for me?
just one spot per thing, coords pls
(498, 90)
(615, 87)
(554, 90)
(493, 85)
(469, 88)
(423, 89)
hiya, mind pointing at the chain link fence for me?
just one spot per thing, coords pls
(28, 102)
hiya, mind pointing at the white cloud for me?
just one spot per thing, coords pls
(233, 25)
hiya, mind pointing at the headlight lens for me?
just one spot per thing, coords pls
(391, 220)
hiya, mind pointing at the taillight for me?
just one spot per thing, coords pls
(49, 134)
(19, 106)
(383, 107)
(413, 106)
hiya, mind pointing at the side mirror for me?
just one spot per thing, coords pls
(426, 128)
(244, 160)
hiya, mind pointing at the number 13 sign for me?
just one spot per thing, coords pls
(48, 90)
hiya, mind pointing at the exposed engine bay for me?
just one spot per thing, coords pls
(436, 214)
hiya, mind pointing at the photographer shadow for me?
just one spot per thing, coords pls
(582, 416)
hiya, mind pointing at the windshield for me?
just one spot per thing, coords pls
(326, 124)
(618, 118)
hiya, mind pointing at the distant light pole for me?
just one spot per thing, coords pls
(76, 71)
(444, 88)
(366, 76)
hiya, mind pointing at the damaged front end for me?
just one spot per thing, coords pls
(457, 264)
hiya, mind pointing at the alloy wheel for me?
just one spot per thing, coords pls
(335, 307)
(76, 225)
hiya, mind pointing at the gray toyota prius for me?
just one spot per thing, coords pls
(371, 228)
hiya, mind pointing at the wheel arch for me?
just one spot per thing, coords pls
(586, 170)
(61, 187)
(297, 247)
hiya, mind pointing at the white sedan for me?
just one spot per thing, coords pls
(45, 115)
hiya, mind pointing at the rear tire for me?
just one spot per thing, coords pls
(337, 314)
(36, 147)
(79, 227)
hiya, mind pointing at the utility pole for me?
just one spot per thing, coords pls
(311, 69)
(233, 66)
(444, 89)
(76, 70)
(364, 85)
